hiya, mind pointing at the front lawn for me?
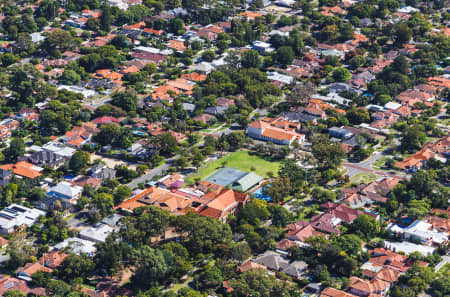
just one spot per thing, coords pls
(242, 160)
(378, 164)
(363, 178)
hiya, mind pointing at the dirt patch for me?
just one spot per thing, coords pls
(111, 163)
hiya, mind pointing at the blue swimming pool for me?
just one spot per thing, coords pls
(258, 194)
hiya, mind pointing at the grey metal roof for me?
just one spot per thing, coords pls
(248, 181)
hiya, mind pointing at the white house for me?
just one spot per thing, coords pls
(67, 193)
(98, 233)
(422, 231)
(15, 216)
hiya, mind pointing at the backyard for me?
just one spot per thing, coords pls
(242, 160)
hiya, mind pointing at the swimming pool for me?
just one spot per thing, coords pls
(258, 194)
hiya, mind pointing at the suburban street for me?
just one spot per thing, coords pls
(366, 166)
(148, 176)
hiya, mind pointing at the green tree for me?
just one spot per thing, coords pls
(365, 226)
(69, 77)
(205, 234)
(417, 209)
(358, 115)
(121, 193)
(166, 144)
(59, 40)
(350, 243)
(423, 183)
(152, 267)
(103, 204)
(208, 56)
(258, 282)
(254, 213)
(14, 293)
(78, 161)
(284, 55)
(241, 251)
(125, 100)
(147, 222)
(16, 149)
(48, 9)
(341, 74)
(210, 278)
(413, 138)
(250, 59)
(329, 154)
(57, 288)
(322, 196)
(402, 34)
(75, 266)
(280, 215)
(277, 189)
(108, 134)
(106, 18)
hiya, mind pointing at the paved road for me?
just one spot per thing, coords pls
(445, 260)
(148, 176)
(364, 166)
(353, 169)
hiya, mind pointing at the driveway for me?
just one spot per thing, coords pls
(75, 223)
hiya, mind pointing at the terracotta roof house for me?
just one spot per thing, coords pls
(251, 15)
(303, 233)
(89, 181)
(439, 82)
(403, 111)
(222, 101)
(204, 117)
(438, 223)
(162, 198)
(182, 84)
(426, 88)
(284, 245)
(29, 269)
(24, 169)
(171, 181)
(11, 283)
(210, 31)
(386, 258)
(149, 57)
(382, 187)
(365, 288)
(80, 135)
(3, 242)
(278, 130)
(194, 76)
(332, 292)
(107, 120)
(248, 265)
(226, 203)
(52, 259)
(325, 223)
(409, 95)
(207, 187)
(345, 213)
(429, 150)
(176, 45)
(149, 31)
